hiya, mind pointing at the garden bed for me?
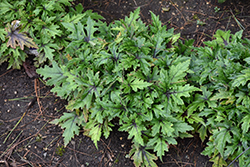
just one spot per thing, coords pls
(36, 142)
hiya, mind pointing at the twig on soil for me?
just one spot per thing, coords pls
(200, 40)
(6, 72)
(108, 147)
(236, 20)
(60, 162)
(31, 135)
(53, 155)
(228, 22)
(10, 146)
(79, 151)
(135, 2)
(5, 162)
(179, 151)
(25, 160)
(27, 152)
(38, 157)
(143, 5)
(195, 12)
(195, 158)
(178, 162)
(74, 146)
(101, 159)
(217, 24)
(15, 126)
(29, 105)
(37, 97)
(45, 148)
(20, 98)
(178, 11)
(30, 97)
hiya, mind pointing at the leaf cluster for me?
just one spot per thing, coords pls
(157, 87)
(221, 69)
(125, 70)
(36, 25)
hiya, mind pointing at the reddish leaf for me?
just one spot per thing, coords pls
(17, 38)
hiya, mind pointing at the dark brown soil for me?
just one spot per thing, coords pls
(36, 142)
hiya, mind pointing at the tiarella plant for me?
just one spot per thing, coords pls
(139, 76)
(129, 71)
(36, 25)
(221, 69)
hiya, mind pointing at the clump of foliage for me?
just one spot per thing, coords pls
(126, 70)
(221, 70)
(158, 88)
(36, 25)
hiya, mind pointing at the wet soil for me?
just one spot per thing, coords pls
(27, 105)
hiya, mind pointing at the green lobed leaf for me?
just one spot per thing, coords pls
(222, 37)
(242, 78)
(161, 144)
(243, 98)
(218, 161)
(179, 92)
(181, 127)
(222, 137)
(156, 23)
(135, 130)
(68, 122)
(177, 72)
(223, 94)
(5, 7)
(95, 133)
(142, 157)
(3, 33)
(132, 17)
(51, 30)
(139, 84)
(48, 49)
(164, 127)
(246, 123)
(160, 147)
(54, 73)
(200, 101)
(90, 29)
(202, 133)
(209, 150)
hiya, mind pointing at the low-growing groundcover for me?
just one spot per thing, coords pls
(158, 87)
